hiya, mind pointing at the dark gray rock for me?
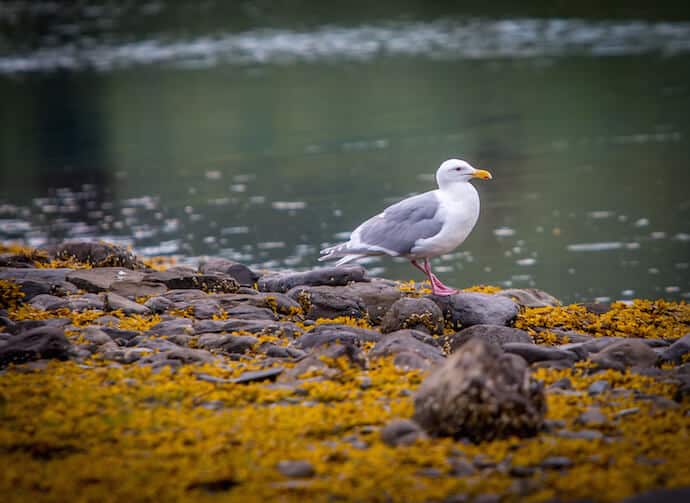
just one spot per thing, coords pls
(135, 289)
(493, 334)
(298, 468)
(675, 352)
(404, 341)
(26, 325)
(102, 279)
(563, 383)
(591, 417)
(248, 312)
(39, 343)
(159, 304)
(97, 254)
(181, 279)
(480, 393)
(401, 432)
(204, 309)
(598, 387)
(625, 354)
(536, 353)
(96, 336)
(86, 302)
(188, 355)
(276, 302)
(468, 308)
(258, 375)
(33, 282)
(274, 351)
(120, 336)
(530, 297)
(581, 434)
(154, 343)
(228, 343)
(184, 296)
(416, 313)
(48, 302)
(378, 296)
(556, 463)
(115, 302)
(678, 495)
(277, 328)
(171, 327)
(328, 333)
(322, 359)
(243, 274)
(326, 276)
(328, 302)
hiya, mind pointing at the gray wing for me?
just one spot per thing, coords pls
(399, 226)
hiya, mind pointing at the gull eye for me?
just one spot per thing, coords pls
(458, 169)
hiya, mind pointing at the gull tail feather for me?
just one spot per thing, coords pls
(338, 251)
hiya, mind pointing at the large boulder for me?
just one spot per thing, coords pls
(465, 309)
(326, 276)
(480, 393)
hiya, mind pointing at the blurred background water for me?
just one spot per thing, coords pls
(261, 131)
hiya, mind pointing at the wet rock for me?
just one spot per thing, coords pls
(184, 296)
(530, 297)
(378, 296)
(401, 432)
(159, 305)
(48, 302)
(296, 468)
(246, 312)
(182, 279)
(326, 276)
(102, 279)
(278, 328)
(328, 302)
(227, 343)
(322, 357)
(86, 302)
(204, 309)
(38, 343)
(33, 282)
(327, 333)
(598, 387)
(493, 334)
(243, 274)
(258, 375)
(115, 302)
(469, 308)
(536, 353)
(135, 289)
(98, 254)
(276, 302)
(625, 354)
(414, 313)
(407, 341)
(675, 352)
(171, 327)
(480, 393)
(591, 417)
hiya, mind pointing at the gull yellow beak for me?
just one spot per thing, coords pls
(480, 173)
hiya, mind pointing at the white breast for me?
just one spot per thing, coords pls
(459, 211)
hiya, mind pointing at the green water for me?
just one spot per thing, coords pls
(264, 146)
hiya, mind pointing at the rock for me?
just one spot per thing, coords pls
(675, 352)
(402, 432)
(378, 296)
(536, 353)
(493, 334)
(278, 328)
(243, 274)
(326, 276)
(591, 417)
(597, 308)
(625, 354)
(98, 338)
(415, 313)
(556, 463)
(135, 289)
(86, 302)
(98, 254)
(469, 308)
(228, 343)
(598, 387)
(328, 333)
(480, 393)
(296, 468)
(274, 351)
(188, 355)
(407, 341)
(276, 302)
(48, 302)
(323, 357)
(159, 305)
(678, 495)
(178, 278)
(102, 279)
(115, 302)
(36, 344)
(122, 337)
(248, 312)
(204, 309)
(126, 355)
(581, 435)
(258, 375)
(33, 282)
(563, 383)
(26, 325)
(530, 297)
(171, 327)
(184, 296)
(328, 302)
(460, 467)
(409, 360)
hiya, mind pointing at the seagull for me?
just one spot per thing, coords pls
(420, 227)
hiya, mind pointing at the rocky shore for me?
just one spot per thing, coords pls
(130, 379)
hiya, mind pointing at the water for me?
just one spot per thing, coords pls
(263, 136)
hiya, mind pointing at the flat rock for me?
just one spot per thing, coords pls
(86, 302)
(530, 297)
(676, 351)
(401, 432)
(115, 302)
(277, 302)
(249, 312)
(493, 334)
(625, 354)
(328, 333)
(38, 343)
(238, 344)
(536, 353)
(326, 276)
(185, 279)
(170, 327)
(296, 468)
(328, 302)
(203, 309)
(323, 358)
(159, 304)
(97, 254)
(184, 296)
(277, 328)
(188, 355)
(415, 313)
(258, 375)
(102, 279)
(404, 341)
(136, 289)
(591, 417)
(243, 274)
(48, 302)
(465, 309)
(33, 282)
(480, 393)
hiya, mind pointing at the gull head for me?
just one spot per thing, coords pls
(455, 171)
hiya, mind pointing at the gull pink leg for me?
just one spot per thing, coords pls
(437, 287)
